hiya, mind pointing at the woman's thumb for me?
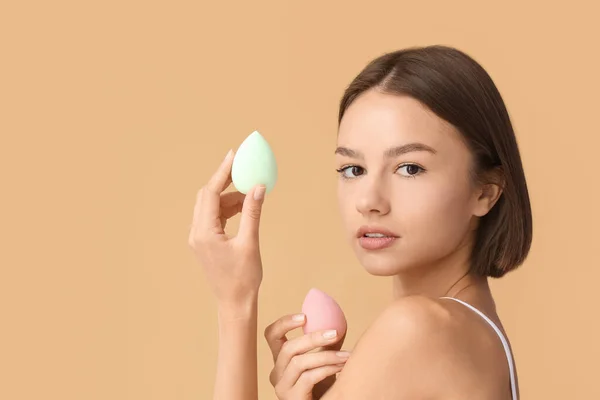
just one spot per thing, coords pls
(251, 211)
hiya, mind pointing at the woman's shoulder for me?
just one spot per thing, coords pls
(414, 312)
(420, 346)
(428, 328)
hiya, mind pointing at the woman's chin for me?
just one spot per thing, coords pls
(380, 264)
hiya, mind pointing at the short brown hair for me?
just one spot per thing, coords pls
(457, 89)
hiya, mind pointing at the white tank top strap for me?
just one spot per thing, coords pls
(511, 366)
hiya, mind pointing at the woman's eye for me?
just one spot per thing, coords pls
(411, 170)
(354, 169)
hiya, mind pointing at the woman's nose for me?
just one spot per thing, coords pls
(372, 198)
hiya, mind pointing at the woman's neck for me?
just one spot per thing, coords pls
(446, 278)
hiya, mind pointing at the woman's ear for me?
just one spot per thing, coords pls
(489, 193)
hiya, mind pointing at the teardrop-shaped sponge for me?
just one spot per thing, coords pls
(322, 313)
(254, 164)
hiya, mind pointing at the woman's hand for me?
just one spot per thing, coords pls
(232, 266)
(298, 372)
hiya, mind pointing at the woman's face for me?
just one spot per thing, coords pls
(422, 195)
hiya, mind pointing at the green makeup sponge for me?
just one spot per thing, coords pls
(254, 164)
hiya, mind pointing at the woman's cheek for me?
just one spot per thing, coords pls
(436, 219)
(348, 215)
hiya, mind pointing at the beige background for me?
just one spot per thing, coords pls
(114, 113)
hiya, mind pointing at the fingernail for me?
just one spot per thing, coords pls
(330, 334)
(259, 192)
(298, 317)
(343, 354)
(227, 155)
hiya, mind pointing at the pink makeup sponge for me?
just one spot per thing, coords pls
(322, 313)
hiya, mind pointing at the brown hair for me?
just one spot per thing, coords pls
(457, 89)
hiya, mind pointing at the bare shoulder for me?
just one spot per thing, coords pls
(421, 347)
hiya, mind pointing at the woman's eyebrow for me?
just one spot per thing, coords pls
(390, 153)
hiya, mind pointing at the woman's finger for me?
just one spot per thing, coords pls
(301, 363)
(231, 204)
(208, 214)
(227, 213)
(276, 332)
(303, 344)
(251, 212)
(310, 378)
(196, 214)
(307, 380)
(230, 199)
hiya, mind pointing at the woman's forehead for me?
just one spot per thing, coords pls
(387, 120)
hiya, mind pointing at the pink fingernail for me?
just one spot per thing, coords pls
(259, 192)
(298, 317)
(330, 334)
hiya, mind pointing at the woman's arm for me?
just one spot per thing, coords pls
(417, 349)
(237, 360)
(233, 268)
(394, 357)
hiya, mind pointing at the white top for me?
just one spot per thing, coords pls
(511, 366)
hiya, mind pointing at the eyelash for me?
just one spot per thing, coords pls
(342, 169)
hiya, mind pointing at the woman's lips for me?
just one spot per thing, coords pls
(366, 229)
(376, 243)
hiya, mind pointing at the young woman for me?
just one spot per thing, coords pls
(432, 193)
